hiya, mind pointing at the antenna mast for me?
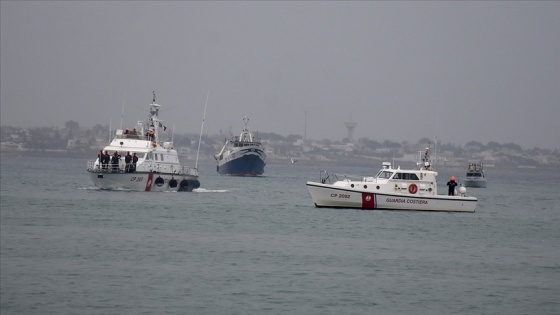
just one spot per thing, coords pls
(122, 112)
(201, 128)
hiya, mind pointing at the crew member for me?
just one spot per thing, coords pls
(134, 160)
(115, 161)
(452, 184)
(128, 160)
(105, 160)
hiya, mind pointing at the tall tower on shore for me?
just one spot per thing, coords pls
(350, 126)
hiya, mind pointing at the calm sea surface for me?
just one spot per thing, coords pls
(259, 246)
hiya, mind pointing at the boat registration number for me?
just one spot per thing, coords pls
(340, 196)
(136, 178)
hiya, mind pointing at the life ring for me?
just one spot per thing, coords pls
(154, 143)
(412, 188)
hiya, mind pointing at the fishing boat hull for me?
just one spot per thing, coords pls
(475, 183)
(150, 181)
(330, 196)
(243, 162)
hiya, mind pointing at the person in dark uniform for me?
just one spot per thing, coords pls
(105, 160)
(452, 184)
(128, 160)
(115, 161)
(134, 160)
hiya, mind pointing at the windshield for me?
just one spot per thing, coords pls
(384, 174)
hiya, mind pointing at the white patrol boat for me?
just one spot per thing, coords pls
(242, 156)
(391, 189)
(139, 161)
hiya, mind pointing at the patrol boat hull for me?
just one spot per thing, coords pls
(391, 189)
(329, 196)
(474, 182)
(144, 181)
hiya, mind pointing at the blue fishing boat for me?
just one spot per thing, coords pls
(242, 155)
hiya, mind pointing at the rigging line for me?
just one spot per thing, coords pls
(201, 128)
(435, 145)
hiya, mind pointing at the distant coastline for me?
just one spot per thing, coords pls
(75, 141)
(346, 161)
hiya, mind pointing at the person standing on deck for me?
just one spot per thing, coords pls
(115, 161)
(452, 184)
(128, 160)
(134, 160)
(105, 160)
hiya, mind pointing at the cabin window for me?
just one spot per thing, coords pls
(149, 156)
(406, 176)
(412, 176)
(385, 174)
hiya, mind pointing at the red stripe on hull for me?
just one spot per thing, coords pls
(150, 180)
(368, 201)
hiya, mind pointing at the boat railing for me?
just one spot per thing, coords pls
(131, 136)
(94, 167)
(324, 177)
(349, 177)
(185, 170)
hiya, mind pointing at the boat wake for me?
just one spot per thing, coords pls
(204, 190)
(100, 189)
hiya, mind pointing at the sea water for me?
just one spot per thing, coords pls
(257, 245)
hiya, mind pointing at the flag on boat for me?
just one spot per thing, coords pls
(162, 126)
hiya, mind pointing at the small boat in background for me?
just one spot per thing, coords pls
(475, 176)
(242, 155)
(391, 189)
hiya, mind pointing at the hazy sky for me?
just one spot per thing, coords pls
(461, 71)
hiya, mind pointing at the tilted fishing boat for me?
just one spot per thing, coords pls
(391, 189)
(475, 176)
(140, 161)
(242, 155)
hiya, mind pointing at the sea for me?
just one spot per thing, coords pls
(258, 245)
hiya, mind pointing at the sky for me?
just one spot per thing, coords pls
(452, 71)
